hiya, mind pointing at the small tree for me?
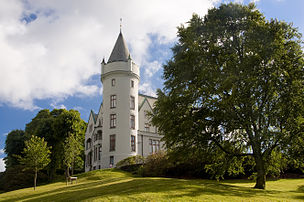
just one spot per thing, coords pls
(72, 148)
(36, 155)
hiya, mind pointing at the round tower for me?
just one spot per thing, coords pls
(120, 79)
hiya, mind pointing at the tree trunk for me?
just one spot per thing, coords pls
(261, 173)
(72, 170)
(67, 174)
(35, 179)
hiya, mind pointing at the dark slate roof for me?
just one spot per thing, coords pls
(95, 117)
(120, 51)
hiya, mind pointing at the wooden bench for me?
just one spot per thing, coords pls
(71, 179)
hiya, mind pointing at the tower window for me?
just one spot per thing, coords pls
(132, 121)
(113, 82)
(133, 148)
(112, 120)
(112, 142)
(113, 101)
(132, 102)
(132, 84)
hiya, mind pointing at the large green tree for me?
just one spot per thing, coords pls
(55, 127)
(36, 155)
(14, 145)
(235, 82)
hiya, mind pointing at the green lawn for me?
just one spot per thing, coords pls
(114, 185)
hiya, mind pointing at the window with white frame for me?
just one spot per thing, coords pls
(154, 146)
(113, 101)
(112, 120)
(147, 127)
(133, 143)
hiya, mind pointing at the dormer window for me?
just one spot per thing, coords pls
(113, 82)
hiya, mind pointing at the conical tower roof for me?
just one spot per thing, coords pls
(120, 51)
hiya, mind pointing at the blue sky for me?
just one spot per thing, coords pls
(50, 51)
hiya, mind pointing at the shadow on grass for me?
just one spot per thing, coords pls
(130, 186)
(300, 190)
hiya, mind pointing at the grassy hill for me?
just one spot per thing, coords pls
(114, 185)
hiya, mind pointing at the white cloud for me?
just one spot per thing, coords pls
(5, 134)
(2, 165)
(1, 151)
(147, 89)
(152, 67)
(57, 106)
(78, 108)
(243, 1)
(54, 55)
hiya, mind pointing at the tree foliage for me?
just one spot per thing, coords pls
(55, 127)
(36, 155)
(14, 145)
(72, 149)
(235, 82)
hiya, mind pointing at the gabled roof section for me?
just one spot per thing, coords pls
(142, 104)
(120, 51)
(94, 116)
(148, 96)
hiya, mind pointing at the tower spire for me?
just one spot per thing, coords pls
(120, 51)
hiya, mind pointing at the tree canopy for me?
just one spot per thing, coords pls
(55, 127)
(14, 145)
(234, 83)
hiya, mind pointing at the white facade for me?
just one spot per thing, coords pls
(121, 127)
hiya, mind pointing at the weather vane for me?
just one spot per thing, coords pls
(120, 24)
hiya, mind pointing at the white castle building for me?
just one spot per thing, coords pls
(121, 128)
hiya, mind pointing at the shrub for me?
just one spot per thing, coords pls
(132, 160)
(131, 164)
(16, 177)
(156, 165)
